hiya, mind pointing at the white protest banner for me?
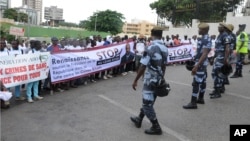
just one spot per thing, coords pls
(73, 64)
(21, 69)
(180, 53)
(18, 31)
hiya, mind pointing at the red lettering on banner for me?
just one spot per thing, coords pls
(41, 66)
(1, 71)
(34, 75)
(15, 70)
(20, 78)
(6, 80)
(31, 67)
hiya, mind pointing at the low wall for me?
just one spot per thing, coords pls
(213, 26)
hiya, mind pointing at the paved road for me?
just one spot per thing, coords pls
(101, 111)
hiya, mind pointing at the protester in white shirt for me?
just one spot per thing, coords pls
(15, 50)
(185, 40)
(34, 85)
(99, 41)
(139, 50)
(3, 52)
(75, 45)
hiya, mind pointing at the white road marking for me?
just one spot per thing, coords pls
(227, 93)
(164, 128)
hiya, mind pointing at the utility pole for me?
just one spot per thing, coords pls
(95, 21)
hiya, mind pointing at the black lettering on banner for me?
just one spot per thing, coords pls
(239, 132)
(106, 61)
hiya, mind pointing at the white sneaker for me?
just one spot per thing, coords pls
(61, 90)
(30, 101)
(39, 97)
(130, 71)
(105, 77)
(109, 76)
(124, 73)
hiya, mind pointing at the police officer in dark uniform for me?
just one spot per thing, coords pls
(200, 68)
(222, 51)
(153, 65)
(232, 37)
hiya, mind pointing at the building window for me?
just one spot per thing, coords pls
(146, 30)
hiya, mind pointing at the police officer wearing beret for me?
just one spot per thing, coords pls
(232, 37)
(200, 68)
(222, 51)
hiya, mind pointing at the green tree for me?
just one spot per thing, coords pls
(13, 14)
(10, 14)
(181, 12)
(22, 17)
(105, 21)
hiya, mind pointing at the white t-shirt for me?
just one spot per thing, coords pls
(33, 51)
(140, 47)
(5, 52)
(194, 43)
(74, 48)
(16, 52)
(185, 41)
(99, 43)
(89, 45)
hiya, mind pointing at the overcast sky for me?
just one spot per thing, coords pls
(76, 10)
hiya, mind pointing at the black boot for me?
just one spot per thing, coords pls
(192, 104)
(201, 99)
(222, 89)
(235, 75)
(138, 120)
(215, 93)
(240, 73)
(155, 129)
(226, 81)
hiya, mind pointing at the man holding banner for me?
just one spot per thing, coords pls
(200, 69)
(34, 85)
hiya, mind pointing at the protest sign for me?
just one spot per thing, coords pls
(21, 69)
(72, 64)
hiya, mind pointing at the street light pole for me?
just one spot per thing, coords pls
(29, 12)
(28, 26)
(95, 21)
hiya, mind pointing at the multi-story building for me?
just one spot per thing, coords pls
(37, 5)
(53, 14)
(4, 4)
(246, 9)
(138, 27)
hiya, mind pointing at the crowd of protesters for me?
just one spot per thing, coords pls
(130, 61)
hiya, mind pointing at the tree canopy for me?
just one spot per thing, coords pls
(105, 21)
(181, 12)
(13, 14)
